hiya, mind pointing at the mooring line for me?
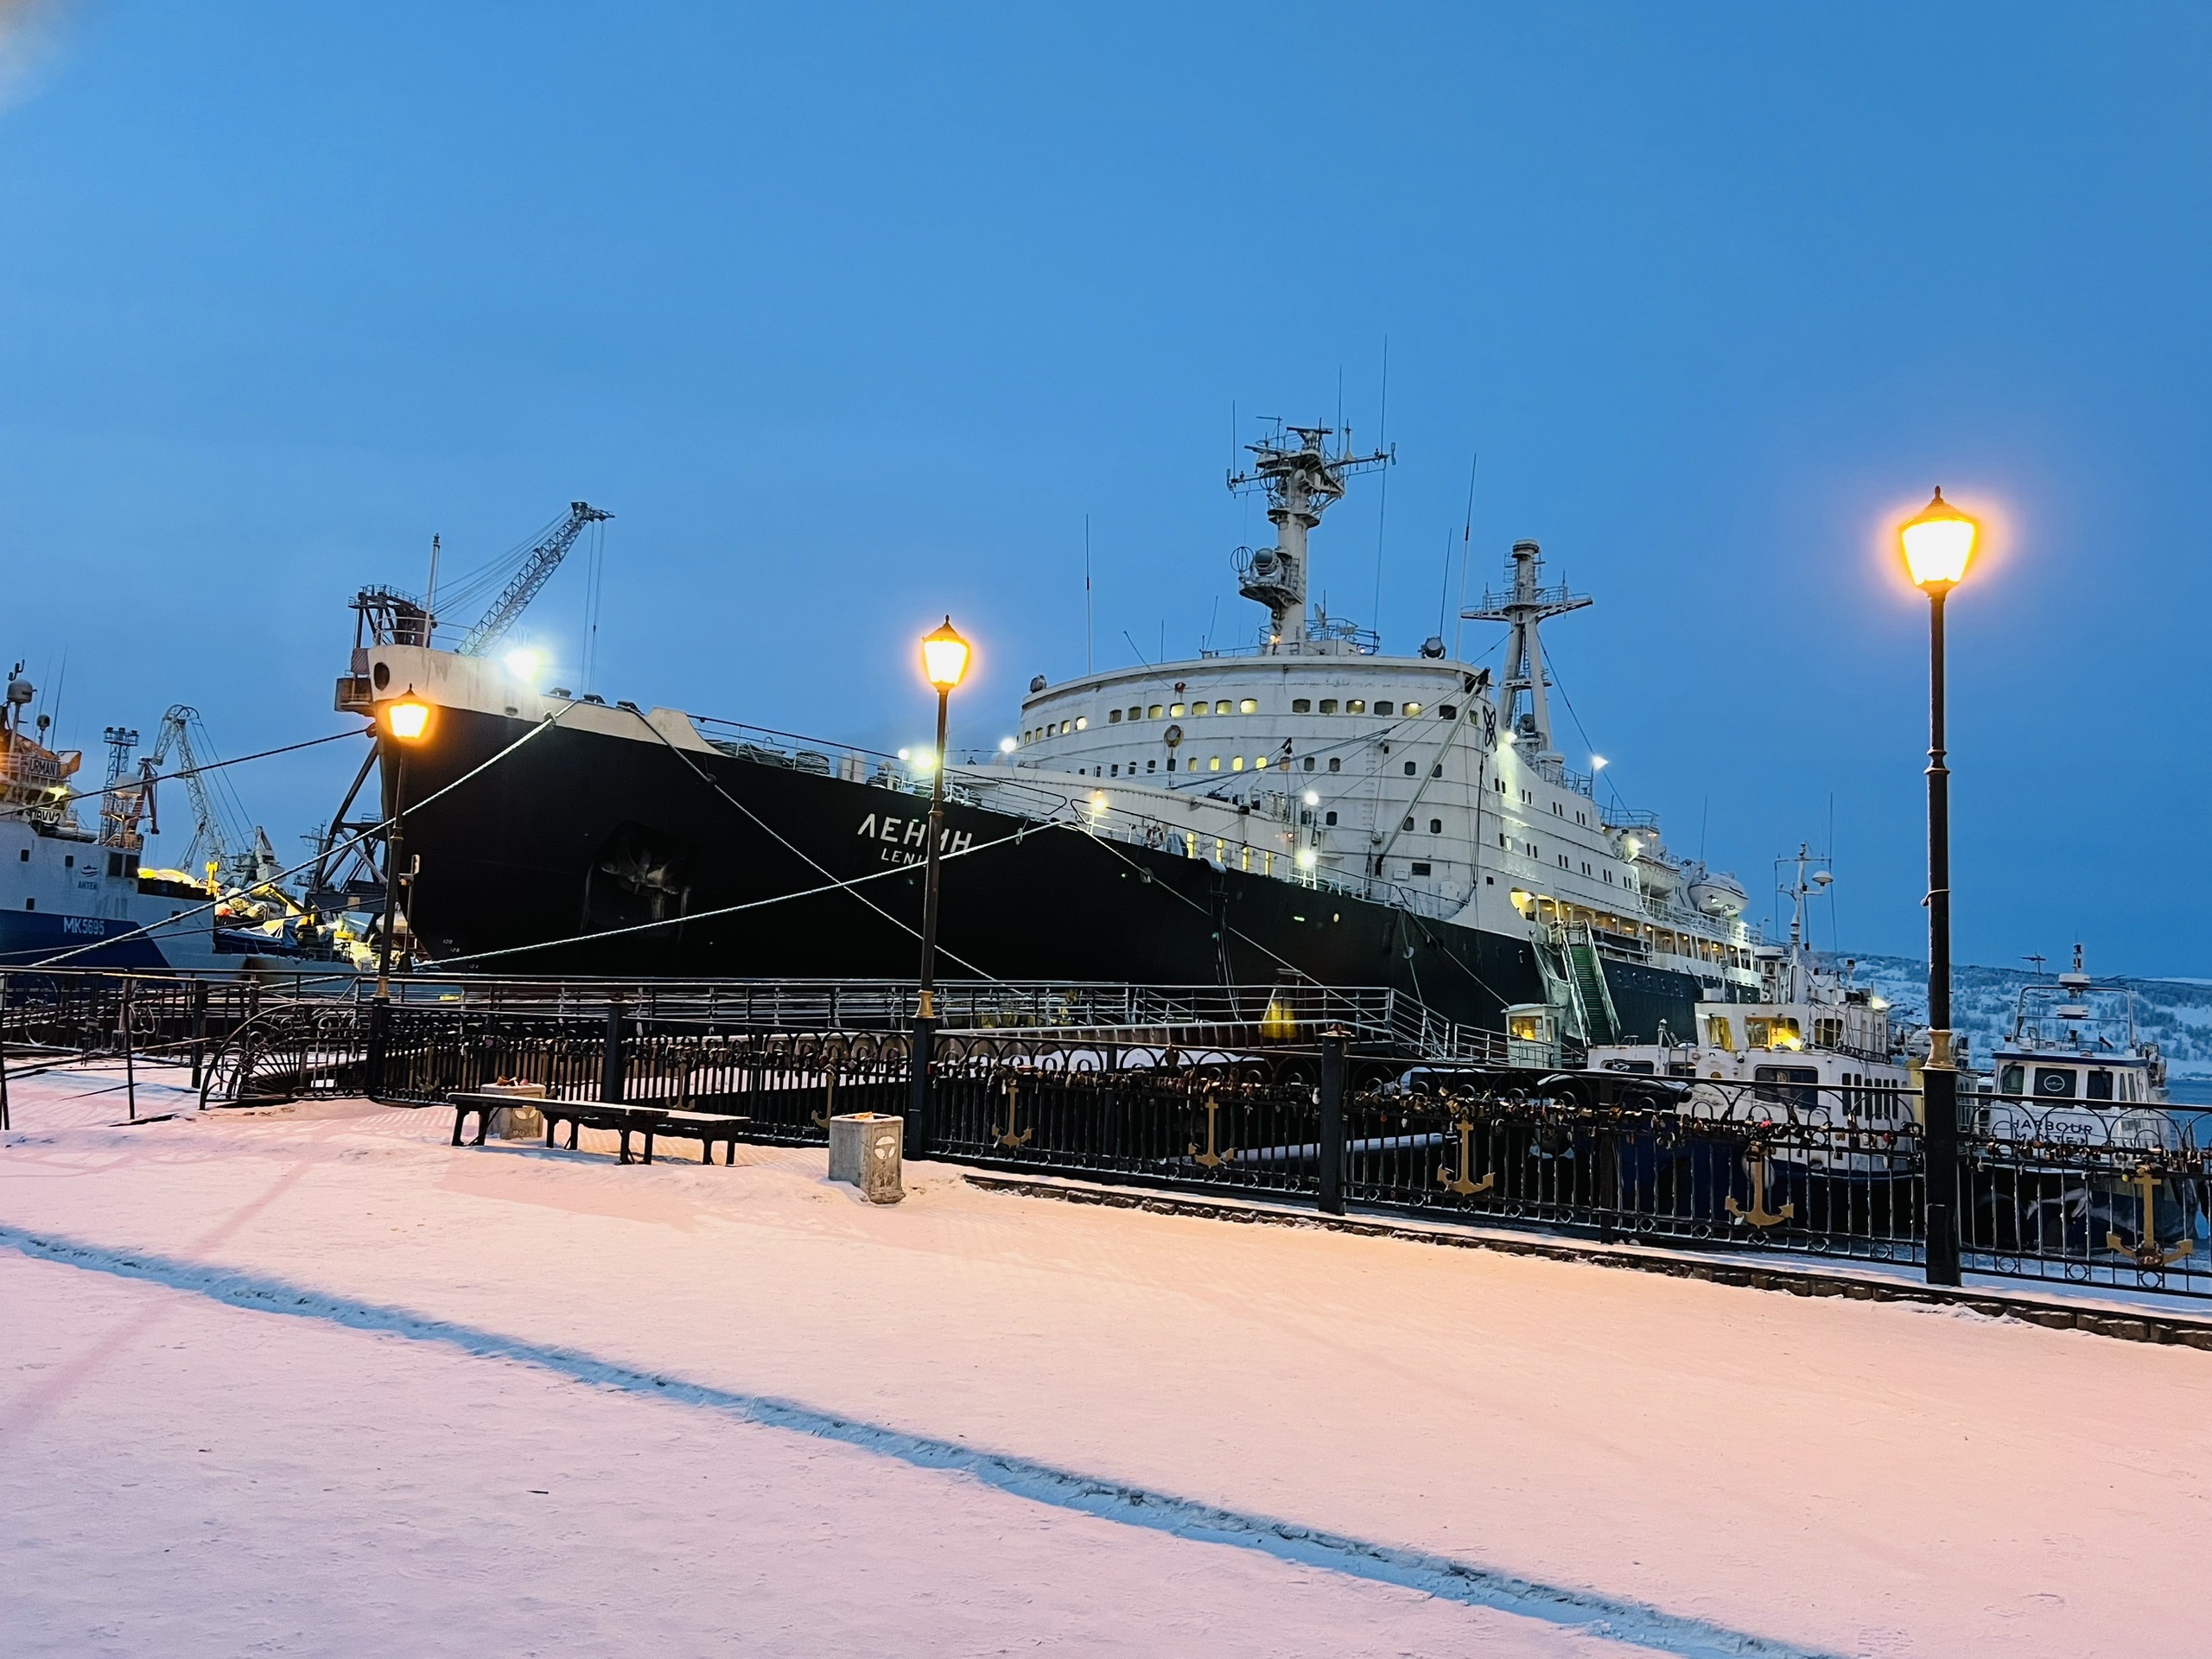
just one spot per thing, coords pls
(1584, 1612)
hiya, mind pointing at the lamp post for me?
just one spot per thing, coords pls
(944, 663)
(407, 721)
(1937, 545)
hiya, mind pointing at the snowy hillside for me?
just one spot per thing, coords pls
(2174, 1015)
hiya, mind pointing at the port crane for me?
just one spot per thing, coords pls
(346, 875)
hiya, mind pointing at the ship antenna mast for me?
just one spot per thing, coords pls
(1523, 607)
(1303, 480)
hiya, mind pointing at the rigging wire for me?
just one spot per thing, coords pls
(146, 928)
(75, 796)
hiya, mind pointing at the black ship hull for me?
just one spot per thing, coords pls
(589, 854)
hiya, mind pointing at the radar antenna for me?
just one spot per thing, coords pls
(1303, 480)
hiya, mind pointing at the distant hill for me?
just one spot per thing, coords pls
(2176, 1014)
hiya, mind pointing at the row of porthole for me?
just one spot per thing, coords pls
(1224, 705)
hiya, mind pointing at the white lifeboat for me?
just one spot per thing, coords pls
(1719, 895)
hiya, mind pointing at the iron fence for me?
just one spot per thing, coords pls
(1226, 1091)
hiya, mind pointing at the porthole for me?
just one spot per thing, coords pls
(1083, 723)
(1382, 707)
(1330, 819)
(1236, 763)
(1136, 713)
(1409, 768)
(1328, 705)
(382, 674)
(1436, 828)
(1336, 763)
(1301, 705)
(1355, 705)
(1249, 706)
(1221, 708)
(1153, 712)
(1408, 826)
(1214, 764)
(1309, 763)
(1174, 711)
(1413, 709)
(1447, 711)
(1113, 716)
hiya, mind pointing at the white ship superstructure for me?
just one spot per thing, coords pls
(1413, 780)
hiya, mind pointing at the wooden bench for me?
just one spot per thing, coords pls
(625, 1121)
(710, 1129)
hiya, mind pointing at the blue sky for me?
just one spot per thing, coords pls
(852, 314)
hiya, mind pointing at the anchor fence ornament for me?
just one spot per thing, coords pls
(1211, 1158)
(821, 1119)
(1459, 1183)
(1758, 1215)
(1006, 1137)
(2145, 1251)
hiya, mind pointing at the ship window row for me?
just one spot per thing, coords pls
(1359, 705)
(1179, 711)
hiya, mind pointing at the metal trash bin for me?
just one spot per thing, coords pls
(866, 1149)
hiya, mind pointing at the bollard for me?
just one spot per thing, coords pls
(1332, 1149)
(865, 1150)
(610, 1067)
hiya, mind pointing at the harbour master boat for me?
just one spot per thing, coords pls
(1304, 807)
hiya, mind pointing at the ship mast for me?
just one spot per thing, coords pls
(1303, 480)
(1523, 607)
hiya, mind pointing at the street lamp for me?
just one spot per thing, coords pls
(408, 720)
(1937, 545)
(944, 663)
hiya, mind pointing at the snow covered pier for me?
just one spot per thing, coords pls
(310, 1379)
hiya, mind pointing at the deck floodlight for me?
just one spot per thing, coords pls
(1937, 545)
(408, 720)
(944, 656)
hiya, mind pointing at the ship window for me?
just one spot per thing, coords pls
(1149, 765)
(1503, 842)
(1249, 706)
(1328, 705)
(1562, 861)
(1383, 706)
(1828, 1034)
(30, 904)
(1409, 768)
(1114, 772)
(1301, 705)
(1780, 1032)
(1261, 763)
(1413, 709)
(1330, 819)
(1309, 763)
(1136, 713)
(1436, 826)
(1113, 716)
(2099, 1085)
(1719, 1034)
(69, 861)
(1447, 711)
(2054, 1082)
(25, 854)
(1420, 869)
(1355, 705)
(1214, 765)
(1175, 711)
(1153, 712)
(1083, 723)
(2012, 1082)
(1237, 764)
(1171, 763)
(1221, 708)
(1609, 876)
(1408, 824)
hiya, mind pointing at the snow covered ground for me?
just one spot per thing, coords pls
(312, 1381)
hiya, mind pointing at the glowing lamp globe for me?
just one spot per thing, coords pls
(944, 656)
(408, 720)
(1937, 545)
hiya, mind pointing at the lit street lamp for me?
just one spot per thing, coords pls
(408, 720)
(1937, 545)
(944, 663)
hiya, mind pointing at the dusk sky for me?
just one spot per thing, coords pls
(852, 316)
